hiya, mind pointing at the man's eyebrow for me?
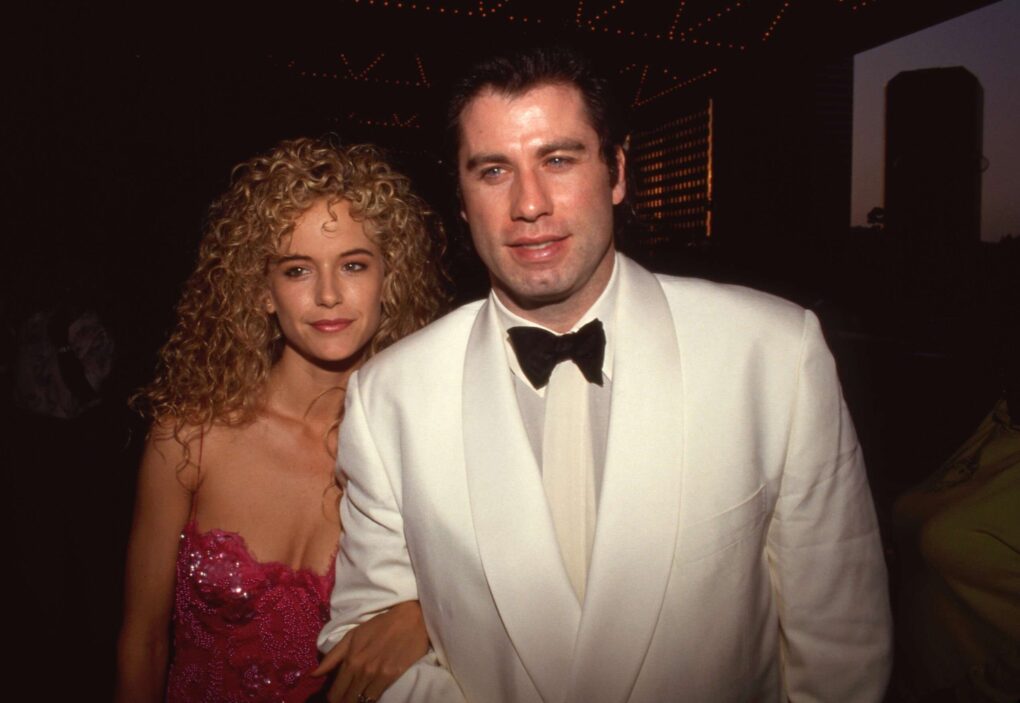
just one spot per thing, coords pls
(478, 159)
(544, 150)
(561, 145)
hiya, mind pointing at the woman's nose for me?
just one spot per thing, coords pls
(328, 292)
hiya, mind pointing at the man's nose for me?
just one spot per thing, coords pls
(530, 197)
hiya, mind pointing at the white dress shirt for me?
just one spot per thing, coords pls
(531, 400)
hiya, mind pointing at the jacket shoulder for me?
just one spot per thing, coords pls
(439, 343)
(718, 306)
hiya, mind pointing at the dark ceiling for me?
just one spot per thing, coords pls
(378, 70)
(133, 113)
(383, 65)
(124, 119)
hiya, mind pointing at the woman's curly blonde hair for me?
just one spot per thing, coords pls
(216, 362)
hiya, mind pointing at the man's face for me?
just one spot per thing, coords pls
(539, 201)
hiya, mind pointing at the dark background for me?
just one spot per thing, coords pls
(124, 124)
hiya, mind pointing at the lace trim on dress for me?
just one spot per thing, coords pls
(244, 630)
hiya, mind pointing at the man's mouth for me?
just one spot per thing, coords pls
(538, 242)
(537, 245)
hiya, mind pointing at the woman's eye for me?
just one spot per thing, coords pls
(294, 271)
(354, 266)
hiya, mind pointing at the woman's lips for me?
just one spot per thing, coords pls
(336, 325)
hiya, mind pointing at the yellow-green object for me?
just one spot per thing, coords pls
(958, 597)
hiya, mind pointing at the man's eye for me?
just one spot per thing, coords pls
(491, 173)
(559, 161)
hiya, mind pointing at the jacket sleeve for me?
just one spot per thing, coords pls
(825, 553)
(373, 568)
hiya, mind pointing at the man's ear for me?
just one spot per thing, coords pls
(620, 187)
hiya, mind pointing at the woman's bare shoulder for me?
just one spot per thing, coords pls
(178, 448)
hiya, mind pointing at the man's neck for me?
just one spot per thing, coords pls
(558, 317)
(562, 315)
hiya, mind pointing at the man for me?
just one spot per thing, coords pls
(712, 538)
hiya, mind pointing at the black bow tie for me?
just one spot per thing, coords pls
(539, 351)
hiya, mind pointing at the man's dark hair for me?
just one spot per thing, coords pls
(516, 73)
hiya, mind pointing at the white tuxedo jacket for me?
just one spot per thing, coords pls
(736, 553)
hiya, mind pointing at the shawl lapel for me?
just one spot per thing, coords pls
(513, 528)
(636, 531)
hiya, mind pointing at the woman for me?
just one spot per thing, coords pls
(314, 259)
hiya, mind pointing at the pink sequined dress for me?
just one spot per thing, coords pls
(244, 630)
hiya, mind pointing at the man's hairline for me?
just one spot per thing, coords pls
(492, 89)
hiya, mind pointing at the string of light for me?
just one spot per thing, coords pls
(775, 21)
(349, 73)
(596, 23)
(676, 19)
(640, 101)
(396, 122)
(711, 18)
(483, 9)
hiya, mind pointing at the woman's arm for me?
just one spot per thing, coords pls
(162, 507)
(376, 653)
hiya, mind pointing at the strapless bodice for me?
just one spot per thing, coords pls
(244, 630)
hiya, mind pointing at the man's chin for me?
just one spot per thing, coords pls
(535, 297)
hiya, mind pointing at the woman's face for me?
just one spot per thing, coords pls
(325, 285)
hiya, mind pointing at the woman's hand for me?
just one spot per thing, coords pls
(375, 653)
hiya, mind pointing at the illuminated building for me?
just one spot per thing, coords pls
(673, 168)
